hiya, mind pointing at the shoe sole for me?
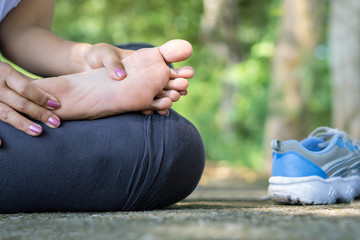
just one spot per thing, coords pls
(314, 189)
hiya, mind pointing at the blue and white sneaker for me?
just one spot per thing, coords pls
(321, 169)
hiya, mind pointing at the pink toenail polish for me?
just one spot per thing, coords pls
(184, 92)
(35, 129)
(119, 72)
(53, 104)
(54, 121)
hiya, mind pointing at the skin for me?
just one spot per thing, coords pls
(27, 40)
(94, 94)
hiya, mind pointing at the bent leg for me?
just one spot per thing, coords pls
(125, 162)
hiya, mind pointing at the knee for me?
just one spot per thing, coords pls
(164, 169)
(183, 161)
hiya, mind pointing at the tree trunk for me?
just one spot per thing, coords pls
(219, 23)
(287, 104)
(344, 45)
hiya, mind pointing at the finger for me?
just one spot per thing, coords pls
(10, 116)
(172, 94)
(23, 105)
(22, 85)
(178, 84)
(113, 64)
(183, 72)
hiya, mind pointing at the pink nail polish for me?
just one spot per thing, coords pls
(184, 92)
(53, 104)
(35, 129)
(119, 72)
(54, 121)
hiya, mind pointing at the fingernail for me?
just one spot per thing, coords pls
(53, 104)
(35, 129)
(119, 72)
(54, 121)
(168, 113)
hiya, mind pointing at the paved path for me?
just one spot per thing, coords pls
(221, 209)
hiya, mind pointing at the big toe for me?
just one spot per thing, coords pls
(176, 50)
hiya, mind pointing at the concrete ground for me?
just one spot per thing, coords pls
(224, 206)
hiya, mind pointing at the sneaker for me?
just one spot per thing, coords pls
(321, 169)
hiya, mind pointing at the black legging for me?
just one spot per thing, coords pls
(124, 162)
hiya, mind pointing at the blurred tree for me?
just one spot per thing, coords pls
(287, 118)
(219, 27)
(236, 35)
(344, 43)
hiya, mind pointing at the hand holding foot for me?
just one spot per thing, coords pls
(150, 84)
(105, 55)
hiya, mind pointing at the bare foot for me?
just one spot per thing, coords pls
(175, 87)
(149, 84)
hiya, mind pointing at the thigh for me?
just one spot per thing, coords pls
(125, 162)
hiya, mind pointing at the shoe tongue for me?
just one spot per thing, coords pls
(314, 143)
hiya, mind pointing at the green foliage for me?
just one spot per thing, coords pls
(111, 21)
(250, 78)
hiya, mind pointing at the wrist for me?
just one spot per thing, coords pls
(79, 57)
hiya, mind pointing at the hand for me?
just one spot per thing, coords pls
(19, 95)
(108, 56)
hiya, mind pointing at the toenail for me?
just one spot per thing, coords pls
(184, 92)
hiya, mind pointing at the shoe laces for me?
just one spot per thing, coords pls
(326, 133)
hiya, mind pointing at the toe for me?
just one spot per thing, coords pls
(161, 104)
(172, 94)
(183, 72)
(176, 50)
(178, 84)
(164, 112)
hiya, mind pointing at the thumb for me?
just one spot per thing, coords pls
(114, 66)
